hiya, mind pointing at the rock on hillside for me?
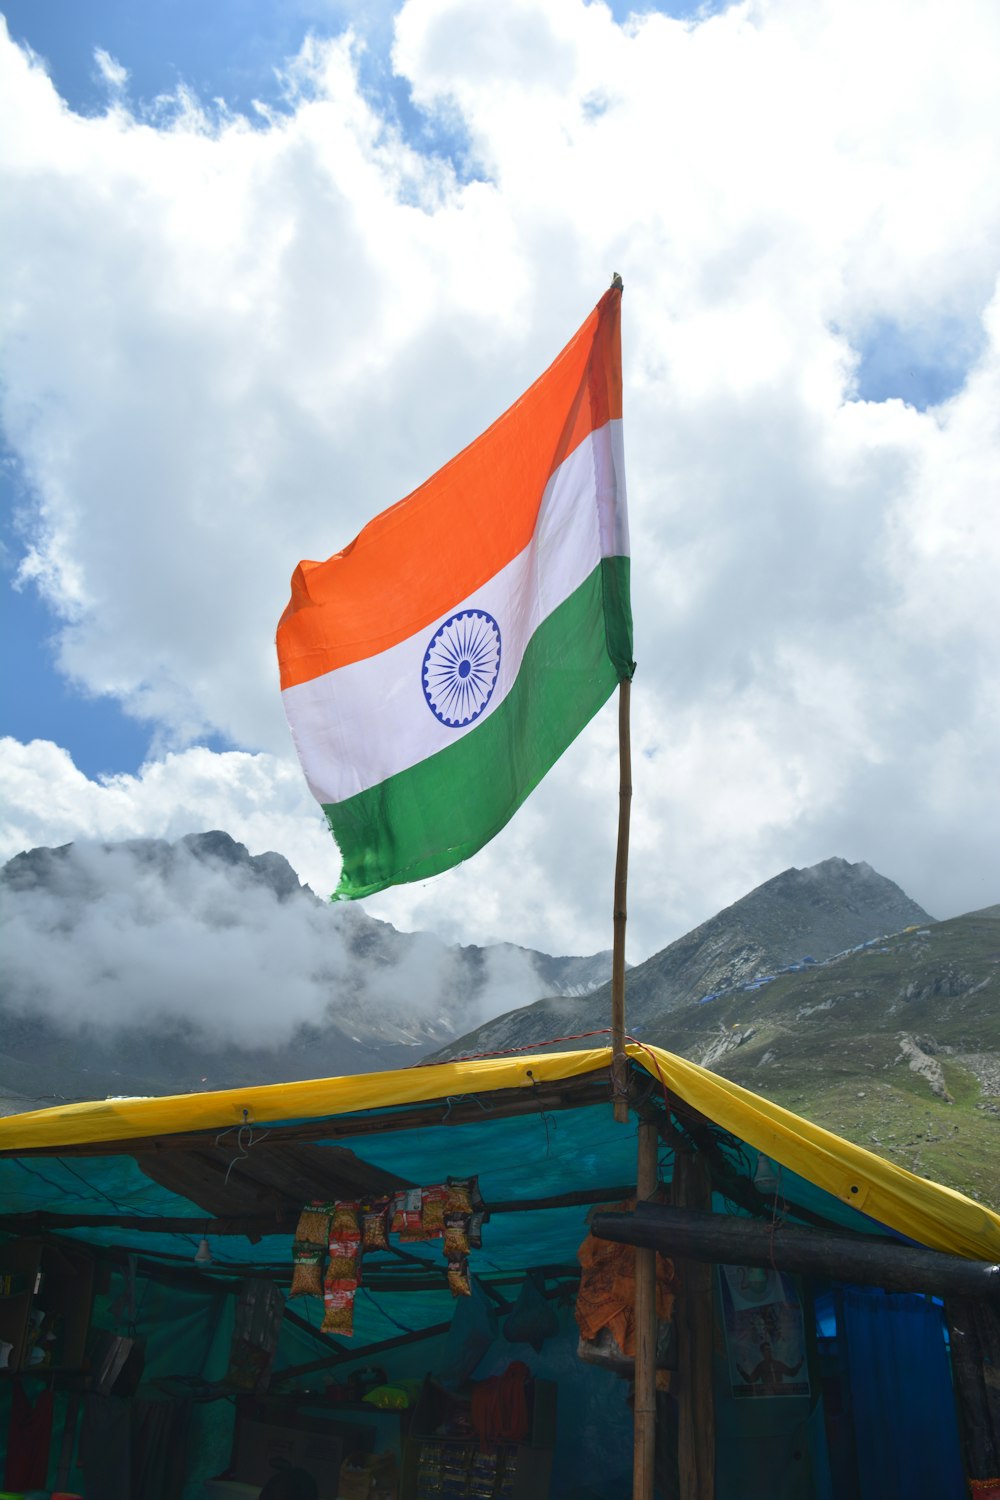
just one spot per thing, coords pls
(799, 915)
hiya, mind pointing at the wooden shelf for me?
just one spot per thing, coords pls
(57, 1291)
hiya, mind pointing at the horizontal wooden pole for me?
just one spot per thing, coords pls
(42, 1221)
(342, 1353)
(732, 1240)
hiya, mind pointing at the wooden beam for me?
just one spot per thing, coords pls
(732, 1240)
(339, 1355)
(254, 1225)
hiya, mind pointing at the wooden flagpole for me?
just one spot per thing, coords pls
(619, 1060)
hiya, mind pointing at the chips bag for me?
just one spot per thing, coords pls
(458, 1278)
(344, 1263)
(407, 1211)
(338, 1308)
(433, 1201)
(459, 1194)
(456, 1235)
(314, 1224)
(346, 1221)
(307, 1271)
(375, 1225)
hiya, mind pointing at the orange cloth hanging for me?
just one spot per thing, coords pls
(606, 1298)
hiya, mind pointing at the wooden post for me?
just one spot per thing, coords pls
(974, 1330)
(644, 1402)
(692, 1188)
(619, 1059)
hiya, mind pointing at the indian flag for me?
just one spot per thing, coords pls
(437, 667)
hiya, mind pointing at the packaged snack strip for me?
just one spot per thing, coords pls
(314, 1224)
(406, 1214)
(458, 1278)
(375, 1225)
(475, 1230)
(346, 1221)
(344, 1263)
(458, 1197)
(433, 1211)
(456, 1236)
(307, 1271)
(338, 1313)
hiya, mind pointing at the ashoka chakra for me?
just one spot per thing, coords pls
(460, 667)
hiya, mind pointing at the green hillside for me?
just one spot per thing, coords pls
(896, 1047)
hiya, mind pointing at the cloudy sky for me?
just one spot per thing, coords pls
(265, 266)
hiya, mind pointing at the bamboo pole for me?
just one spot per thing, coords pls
(619, 1059)
(644, 1405)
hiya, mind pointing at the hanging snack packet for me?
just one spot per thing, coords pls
(307, 1271)
(406, 1211)
(346, 1221)
(314, 1224)
(475, 1230)
(344, 1263)
(375, 1225)
(338, 1314)
(433, 1211)
(456, 1236)
(458, 1278)
(463, 1195)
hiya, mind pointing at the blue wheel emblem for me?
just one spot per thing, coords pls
(460, 667)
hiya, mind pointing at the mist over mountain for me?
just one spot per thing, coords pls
(152, 966)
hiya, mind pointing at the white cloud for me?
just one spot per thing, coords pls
(111, 70)
(226, 347)
(258, 799)
(134, 937)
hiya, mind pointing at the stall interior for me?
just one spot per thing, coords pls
(325, 1295)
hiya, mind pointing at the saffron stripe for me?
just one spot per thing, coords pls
(415, 561)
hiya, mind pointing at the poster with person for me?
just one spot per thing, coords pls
(765, 1333)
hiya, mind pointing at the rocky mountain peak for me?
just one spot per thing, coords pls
(797, 916)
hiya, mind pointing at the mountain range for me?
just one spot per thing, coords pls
(798, 917)
(157, 967)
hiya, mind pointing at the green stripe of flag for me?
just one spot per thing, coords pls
(445, 808)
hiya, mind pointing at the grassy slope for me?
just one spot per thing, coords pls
(832, 1043)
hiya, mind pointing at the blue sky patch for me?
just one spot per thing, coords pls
(39, 704)
(922, 365)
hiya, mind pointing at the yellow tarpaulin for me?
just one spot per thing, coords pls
(927, 1212)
